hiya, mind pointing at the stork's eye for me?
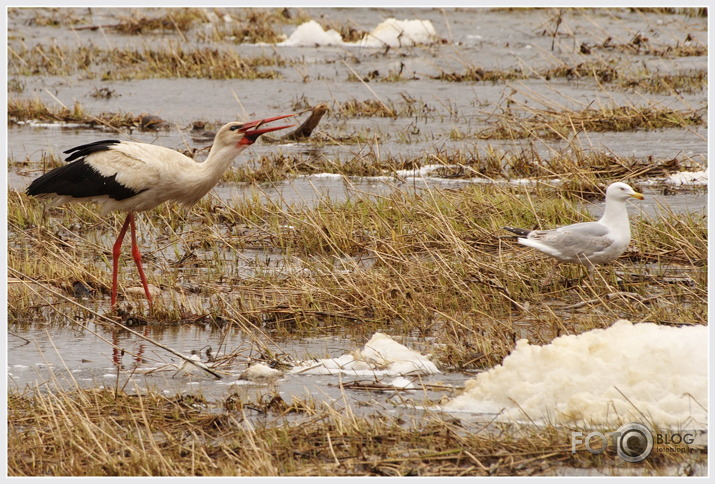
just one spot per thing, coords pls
(234, 128)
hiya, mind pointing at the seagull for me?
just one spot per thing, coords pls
(133, 177)
(587, 243)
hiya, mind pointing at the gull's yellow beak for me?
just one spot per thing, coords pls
(637, 195)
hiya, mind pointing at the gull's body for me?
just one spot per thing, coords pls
(133, 177)
(588, 243)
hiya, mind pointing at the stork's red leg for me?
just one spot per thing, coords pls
(138, 258)
(116, 250)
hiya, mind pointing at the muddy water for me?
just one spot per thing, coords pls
(491, 39)
(49, 359)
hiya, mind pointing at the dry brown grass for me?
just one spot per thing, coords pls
(432, 262)
(103, 433)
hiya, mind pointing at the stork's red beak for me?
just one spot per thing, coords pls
(252, 135)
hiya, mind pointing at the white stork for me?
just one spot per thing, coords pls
(132, 177)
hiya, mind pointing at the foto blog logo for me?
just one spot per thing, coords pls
(633, 442)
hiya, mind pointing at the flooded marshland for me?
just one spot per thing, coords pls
(348, 287)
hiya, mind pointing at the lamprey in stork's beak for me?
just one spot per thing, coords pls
(252, 132)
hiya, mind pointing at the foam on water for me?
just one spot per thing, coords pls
(622, 372)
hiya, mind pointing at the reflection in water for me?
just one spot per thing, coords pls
(118, 351)
(66, 359)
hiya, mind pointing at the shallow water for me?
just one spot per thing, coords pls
(49, 359)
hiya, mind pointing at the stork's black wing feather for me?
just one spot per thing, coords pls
(89, 148)
(79, 179)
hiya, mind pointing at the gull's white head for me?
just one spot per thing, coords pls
(622, 192)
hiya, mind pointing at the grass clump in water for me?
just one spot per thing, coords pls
(164, 20)
(641, 45)
(479, 74)
(204, 63)
(23, 110)
(252, 25)
(146, 63)
(408, 107)
(655, 83)
(51, 17)
(610, 71)
(572, 162)
(549, 124)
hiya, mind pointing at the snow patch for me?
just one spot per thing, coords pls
(324, 175)
(420, 172)
(310, 34)
(61, 124)
(260, 372)
(402, 382)
(400, 33)
(688, 178)
(392, 32)
(381, 356)
(623, 372)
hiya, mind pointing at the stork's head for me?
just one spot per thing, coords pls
(243, 134)
(621, 191)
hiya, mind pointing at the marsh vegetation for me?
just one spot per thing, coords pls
(432, 150)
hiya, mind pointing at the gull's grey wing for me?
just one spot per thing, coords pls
(576, 242)
(590, 229)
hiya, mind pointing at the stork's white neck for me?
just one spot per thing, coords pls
(211, 170)
(220, 159)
